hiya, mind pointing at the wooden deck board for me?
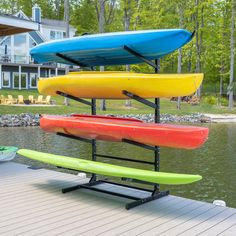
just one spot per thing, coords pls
(230, 231)
(210, 222)
(31, 203)
(221, 226)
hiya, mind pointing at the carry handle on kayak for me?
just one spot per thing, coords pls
(155, 193)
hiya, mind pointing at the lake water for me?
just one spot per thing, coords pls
(215, 161)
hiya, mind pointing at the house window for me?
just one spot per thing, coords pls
(17, 84)
(6, 79)
(32, 43)
(57, 34)
(20, 48)
(15, 80)
(33, 80)
(53, 73)
(52, 34)
(24, 80)
(5, 50)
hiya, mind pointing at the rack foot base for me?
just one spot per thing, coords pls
(137, 201)
(146, 199)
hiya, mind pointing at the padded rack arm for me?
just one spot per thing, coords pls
(141, 57)
(139, 99)
(74, 98)
(75, 138)
(142, 145)
(71, 60)
(125, 159)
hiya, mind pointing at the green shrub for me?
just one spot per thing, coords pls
(224, 102)
(212, 100)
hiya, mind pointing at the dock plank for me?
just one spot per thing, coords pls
(105, 222)
(31, 203)
(173, 213)
(187, 215)
(212, 221)
(222, 226)
(229, 231)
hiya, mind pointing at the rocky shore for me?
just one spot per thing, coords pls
(23, 120)
(168, 118)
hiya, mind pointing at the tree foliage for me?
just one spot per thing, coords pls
(208, 52)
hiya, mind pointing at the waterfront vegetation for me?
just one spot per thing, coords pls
(208, 104)
(211, 51)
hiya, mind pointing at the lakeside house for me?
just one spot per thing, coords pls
(17, 69)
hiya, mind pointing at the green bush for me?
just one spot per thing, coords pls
(224, 102)
(212, 100)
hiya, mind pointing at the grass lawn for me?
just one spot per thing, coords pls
(113, 106)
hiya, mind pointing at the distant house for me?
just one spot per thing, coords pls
(17, 69)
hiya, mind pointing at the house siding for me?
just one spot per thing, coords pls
(44, 72)
(15, 58)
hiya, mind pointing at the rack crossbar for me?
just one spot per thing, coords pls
(138, 55)
(127, 186)
(142, 145)
(137, 181)
(74, 98)
(125, 159)
(78, 63)
(75, 138)
(140, 99)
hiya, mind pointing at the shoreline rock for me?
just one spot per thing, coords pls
(168, 118)
(21, 120)
(27, 119)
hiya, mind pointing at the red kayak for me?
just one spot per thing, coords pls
(115, 129)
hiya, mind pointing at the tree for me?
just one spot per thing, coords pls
(101, 22)
(199, 35)
(231, 81)
(104, 19)
(67, 20)
(127, 18)
(181, 15)
(84, 17)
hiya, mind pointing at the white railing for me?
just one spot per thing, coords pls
(21, 59)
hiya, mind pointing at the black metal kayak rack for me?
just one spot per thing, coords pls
(154, 192)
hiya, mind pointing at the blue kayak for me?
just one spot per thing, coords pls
(108, 48)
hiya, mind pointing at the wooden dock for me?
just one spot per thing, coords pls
(31, 203)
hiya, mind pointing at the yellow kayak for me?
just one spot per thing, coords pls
(109, 85)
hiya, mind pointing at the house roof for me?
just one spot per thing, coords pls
(54, 23)
(13, 25)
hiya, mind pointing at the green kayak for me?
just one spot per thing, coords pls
(7, 153)
(108, 169)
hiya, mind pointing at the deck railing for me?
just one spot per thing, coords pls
(23, 59)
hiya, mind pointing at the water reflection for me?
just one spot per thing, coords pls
(215, 161)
